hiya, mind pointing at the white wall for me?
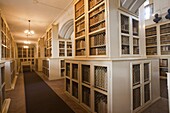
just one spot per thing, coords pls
(65, 16)
(160, 7)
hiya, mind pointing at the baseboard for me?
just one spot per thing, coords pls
(6, 105)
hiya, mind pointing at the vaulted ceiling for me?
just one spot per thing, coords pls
(41, 13)
(132, 5)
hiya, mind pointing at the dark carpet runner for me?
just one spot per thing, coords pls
(40, 98)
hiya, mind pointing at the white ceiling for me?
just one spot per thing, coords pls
(41, 13)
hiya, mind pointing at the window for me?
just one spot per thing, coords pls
(148, 9)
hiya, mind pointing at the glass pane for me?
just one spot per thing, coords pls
(136, 74)
(147, 92)
(146, 72)
(136, 98)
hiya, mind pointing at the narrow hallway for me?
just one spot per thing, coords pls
(18, 95)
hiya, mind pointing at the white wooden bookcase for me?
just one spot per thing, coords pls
(4, 102)
(52, 52)
(10, 77)
(107, 85)
(108, 41)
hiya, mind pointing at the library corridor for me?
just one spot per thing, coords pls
(84, 56)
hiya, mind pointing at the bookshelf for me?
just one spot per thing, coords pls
(79, 29)
(163, 70)
(158, 39)
(129, 33)
(62, 67)
(65, 48)
(10, 77)
(7, 41)
(97, 33)
(4, 102)
(46, 68)
(53, 68)
(40, 54)
(141, 85)
(61, 48)
(151, 41)
(111, 40)
(165, 39)
(26, 54)
(163, 67)
(80, 85)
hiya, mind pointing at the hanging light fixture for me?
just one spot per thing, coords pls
(29, 32)
(27, 42)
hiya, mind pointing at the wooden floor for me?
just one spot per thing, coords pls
(18, 98)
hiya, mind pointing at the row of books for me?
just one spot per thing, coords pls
(48, 43)
(163, 72)
(98, 51)
(136, 98)
(165, 48)
(146, 72)
(75, 72)
(150, 31)
(69, 44)
(80, 27)
(79, 12)
(80, 44)
(69, 52)
(165, 37)
(99, 39)
(151, 51)
(151, 41)
(135, 27)
(61, 44)
(101, 77)
(67, 85)
(165, 52)
(86, 96)
(67, 69)
(75, 89)
(97, 10)
(93, 3)
(79, 4)
(62, 63)
(86, 74)
(136, 74)
(136, 50)
(135, 42)
(165, 26)
(80, 52)
(48, 52)
(48, 34)
(97, 18)
(100, 103)
(167, 30)
(97, 26)
(46, 71)
(125, 49)
(46, 63)
(125, 40)
(163, 62)
(80, 33)
(125, 28)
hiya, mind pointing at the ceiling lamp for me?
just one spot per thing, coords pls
(25, 47)
(29, 32)
(27, 42)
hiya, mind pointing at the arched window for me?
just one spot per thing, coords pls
(67, 30)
